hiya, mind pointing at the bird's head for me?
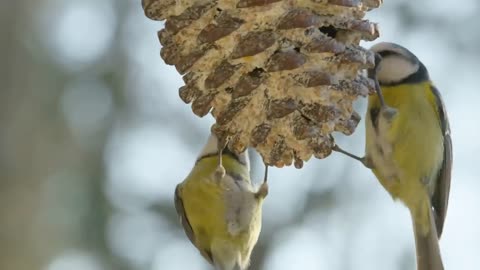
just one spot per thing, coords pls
(211, 149)
(398, 65)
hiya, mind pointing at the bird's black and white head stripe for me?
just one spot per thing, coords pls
(211, 149)
(398, 65)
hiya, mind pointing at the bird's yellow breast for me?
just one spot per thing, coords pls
(408, 152)
(205, 204)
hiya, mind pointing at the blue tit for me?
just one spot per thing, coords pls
(408, 145)
(219, 207)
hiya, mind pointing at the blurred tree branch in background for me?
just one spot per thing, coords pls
(51, 184)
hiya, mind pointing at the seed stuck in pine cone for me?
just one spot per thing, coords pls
(277, 75)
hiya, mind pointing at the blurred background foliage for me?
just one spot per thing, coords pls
(93, 140)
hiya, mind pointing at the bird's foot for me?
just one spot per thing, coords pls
(219, 173)
(388, 113)
(365, 161)
(262, 191)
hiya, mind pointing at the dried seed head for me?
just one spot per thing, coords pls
(277, 75)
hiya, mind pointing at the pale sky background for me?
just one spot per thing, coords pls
(332, 214)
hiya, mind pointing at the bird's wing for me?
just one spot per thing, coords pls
(207, 254)
(442, 189)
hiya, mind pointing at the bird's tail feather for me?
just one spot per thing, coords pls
(427, 246)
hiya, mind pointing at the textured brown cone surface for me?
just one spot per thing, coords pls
(277, 75)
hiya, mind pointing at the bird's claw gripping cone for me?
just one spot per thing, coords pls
(262, 191)
(220, 172)
(364, 160)
(388, 113)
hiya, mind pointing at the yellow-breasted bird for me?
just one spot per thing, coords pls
(219, 208)
(408, 145)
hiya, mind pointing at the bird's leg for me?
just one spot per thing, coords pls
(365, 161)
(373, 75)
(220, 171)
(263, 190)
(386, 111)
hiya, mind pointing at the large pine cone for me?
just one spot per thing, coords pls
(278, 75)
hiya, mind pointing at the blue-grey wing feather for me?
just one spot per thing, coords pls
(442, 188)
(207, 254)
